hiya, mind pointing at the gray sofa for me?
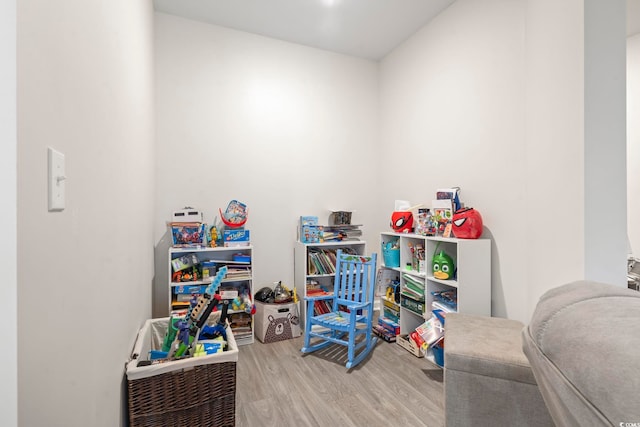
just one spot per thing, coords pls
(583, 344)
(577, 363)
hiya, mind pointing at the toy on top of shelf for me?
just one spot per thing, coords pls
(450, 194)
(213, 236)
(340, 218)
(187, 234)
(467, 223)
(310, 231)
(402, 217)
(187, 228)
(426, 224)
(402, 221)
(235, 215)
(188, 214)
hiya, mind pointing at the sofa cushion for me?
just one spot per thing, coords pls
(488, 346)
(583, 343)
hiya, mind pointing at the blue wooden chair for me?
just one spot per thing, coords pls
(349, 320)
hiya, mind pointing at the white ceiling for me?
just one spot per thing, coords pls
(363, 28)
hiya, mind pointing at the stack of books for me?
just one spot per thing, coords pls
(311, 231)
(238, 272)
(240, 324)
(337, 233)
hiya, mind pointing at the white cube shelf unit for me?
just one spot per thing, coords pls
(471, 281)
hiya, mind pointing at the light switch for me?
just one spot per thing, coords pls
(56, 180)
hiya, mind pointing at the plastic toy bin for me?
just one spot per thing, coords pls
(438, 354)
(196, 391)
(391, 256)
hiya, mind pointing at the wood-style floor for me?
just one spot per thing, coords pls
(279, 386)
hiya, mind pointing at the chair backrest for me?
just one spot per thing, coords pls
(355, 277)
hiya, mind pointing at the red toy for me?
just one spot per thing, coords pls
(467, 224)
(402, 221)
(236, 214)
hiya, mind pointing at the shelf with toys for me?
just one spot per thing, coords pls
(191, 270)
(433, 275)
(198, 253)
(315, 260)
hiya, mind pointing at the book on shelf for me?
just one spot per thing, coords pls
(179, 305)
(240, 320)
(318, 292)
(186, 297)
(334, 233)
(390, 303)
(238, 334)
(447, 299)
(323, 260)
(238, 272)
(310, 231)
(391, 314)
(238, 244)
(414, 285)
(322, 307)
(314, 288)
(320, 262)
(437, 305)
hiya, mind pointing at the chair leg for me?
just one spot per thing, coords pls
(371, 342)
(307, 330)
(352, 346)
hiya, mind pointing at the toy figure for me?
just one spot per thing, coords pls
(467, 224)
(442, 266)
(235, 215)
(402, 221)
(197, 316)
(213, 232)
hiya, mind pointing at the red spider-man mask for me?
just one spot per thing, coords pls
(467, 224)
(402, 221)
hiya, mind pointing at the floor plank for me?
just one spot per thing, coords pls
(279, 386)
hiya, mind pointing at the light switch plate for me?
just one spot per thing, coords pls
(56, 180)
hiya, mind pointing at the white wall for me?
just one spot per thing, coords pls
(490, 97)
(453, 115)
(633, 138)
(288, 130)
(8, 259)
(84, 274)
(605, 141)
(554, 141)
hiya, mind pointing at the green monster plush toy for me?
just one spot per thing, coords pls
(442, 266)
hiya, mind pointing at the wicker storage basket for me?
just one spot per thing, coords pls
(198, 391)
